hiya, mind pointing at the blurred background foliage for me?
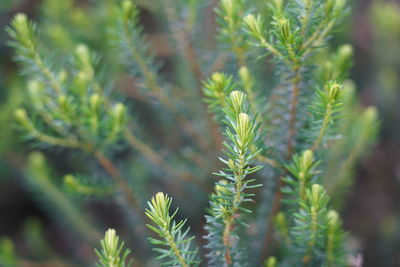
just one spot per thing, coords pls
(28, 232)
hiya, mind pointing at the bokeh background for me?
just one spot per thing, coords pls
(371, 211)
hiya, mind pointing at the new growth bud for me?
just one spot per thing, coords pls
(284, 29)
(254, 25)
(35, 90)
(229, 7)
(345, 52)
(306, 160)
(244, 127)
(371, 114)
(83, 59)
(95, 102)
(111, 241)
(129, 11)
(271, 262)
(334, 91)
(22, 117)
(246, 78)
(21, 25)
(317, 192)
(237, 100)
(333, 218)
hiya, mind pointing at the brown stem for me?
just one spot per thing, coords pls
(294, 102)
(122, 185)
(186, 47)
(154, 158)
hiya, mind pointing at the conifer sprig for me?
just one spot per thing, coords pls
(226, 212)
(112, 252)
(175, 247)
(326, 109)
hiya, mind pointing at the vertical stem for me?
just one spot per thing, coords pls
(188, 52)
(122, 185)
(175, 249)
(294, 102)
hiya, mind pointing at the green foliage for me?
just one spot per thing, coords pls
(112, 253)
(300, 123)
(172, 234)
(56, 98)
(231, 192)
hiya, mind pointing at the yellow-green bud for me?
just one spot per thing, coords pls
(35, 90)
(62, 76)
(244, 73)
(62, 101)
(316, 193)
(70, 180)
(279, 5)
(271, 262)
(333, 218)
(328, 71)
(220, 188)
(284, 29)
(217, 77)
(82, 78)
(36, 160)
(329, 4)
(254, 25)
(246, 78)
(20, 23)
(334, 90)
(307, 159)
(231, 164)
(345, 52)
(111, 241)
(34, 87)
(22, 117)
(237, 100)
(127, 8)
(83, 56)
(217, 84)
(371, 114)
(95, 102)
(243, 127)
(229, 7)
(339, 4)
(119, 111)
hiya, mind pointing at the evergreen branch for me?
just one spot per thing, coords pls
(112, 253)
(335, 250)
(366, 127)
(23, 32)
(230, 15)
(226, 209)
(218, 88)
(303, 171)
(172, 233)
(26, 123)
(253, 25)
(326, 106)
(130, 40)
(311, 223)
(75, 185)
